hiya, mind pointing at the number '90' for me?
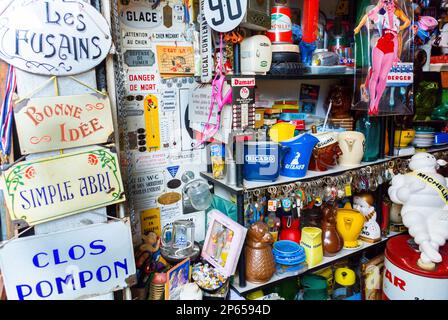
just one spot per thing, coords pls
(243, 309)
(230, 14)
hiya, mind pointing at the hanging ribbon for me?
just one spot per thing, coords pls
(7, 111)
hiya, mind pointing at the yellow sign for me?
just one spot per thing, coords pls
(151, 111)
(175, 60)
(45, 189)
(150, 221)
(61, 122)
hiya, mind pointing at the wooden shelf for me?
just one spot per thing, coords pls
(325, 262)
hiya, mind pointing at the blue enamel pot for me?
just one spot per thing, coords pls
(261, 161)
(296, 155)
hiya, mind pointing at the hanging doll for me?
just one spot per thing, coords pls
(388, 17)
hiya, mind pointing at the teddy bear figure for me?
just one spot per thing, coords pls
(260, 263)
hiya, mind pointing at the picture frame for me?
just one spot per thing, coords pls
(223, 242)
(177, 277)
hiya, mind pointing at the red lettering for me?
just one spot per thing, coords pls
(62, 126)
(35, 116)
(96, 124)
(48, 111)
(77, 113)
(399, 283)
(74, 134)
(85, 130)
(388, 275)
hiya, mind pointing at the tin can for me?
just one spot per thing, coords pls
(404, 280)
(281, 25)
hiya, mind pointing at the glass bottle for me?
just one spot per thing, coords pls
(371, 128)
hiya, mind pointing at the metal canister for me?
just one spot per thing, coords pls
(281, 25)
(404, 280)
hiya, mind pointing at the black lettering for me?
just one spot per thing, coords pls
(94, 42)
(21, 35)
(65, 44)
(51, 44)
(81, 26)
(58, 17)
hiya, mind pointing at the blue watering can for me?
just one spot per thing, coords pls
(296, 155)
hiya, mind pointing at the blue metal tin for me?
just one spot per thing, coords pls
(261, 161)
(296, 155)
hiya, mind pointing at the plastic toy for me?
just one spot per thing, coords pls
(371, 231)
(424, 196)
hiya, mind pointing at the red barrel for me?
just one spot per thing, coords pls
(403, 279)
(281, 25)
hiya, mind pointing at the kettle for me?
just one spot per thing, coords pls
(196, 191)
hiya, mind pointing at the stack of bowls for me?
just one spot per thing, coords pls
(289, 256)
(424, 137)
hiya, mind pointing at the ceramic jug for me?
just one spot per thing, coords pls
(290, 229)
(260, 263)
(352, 145)
(331, 238)
(312, 243)
(296, 154)
(349, 223)
(326, 152)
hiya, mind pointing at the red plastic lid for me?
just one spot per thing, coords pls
(403, 252)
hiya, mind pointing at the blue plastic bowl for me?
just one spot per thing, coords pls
(287, 247)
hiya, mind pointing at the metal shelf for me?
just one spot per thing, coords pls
(344, 253)
(311, 175)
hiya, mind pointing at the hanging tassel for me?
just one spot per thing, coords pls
(7, 112)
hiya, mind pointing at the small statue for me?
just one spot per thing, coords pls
(341, 99)
(331, 238)
(423, 194)
(371, 232)
(260, 263)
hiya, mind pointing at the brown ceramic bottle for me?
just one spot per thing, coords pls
(331, 239)
(260, 263)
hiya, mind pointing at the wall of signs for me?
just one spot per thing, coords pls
(71, 171)
(159, 67)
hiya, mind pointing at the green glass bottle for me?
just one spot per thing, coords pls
(371, 128)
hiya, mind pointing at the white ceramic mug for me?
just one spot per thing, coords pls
(352, 146)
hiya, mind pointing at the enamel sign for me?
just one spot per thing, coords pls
(53, 37)
(54, 123)
(71, 264)
(141, 17)
(224, 15)
(50, 188)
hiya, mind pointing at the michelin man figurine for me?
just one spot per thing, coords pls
(424, 196)
(363, 202)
